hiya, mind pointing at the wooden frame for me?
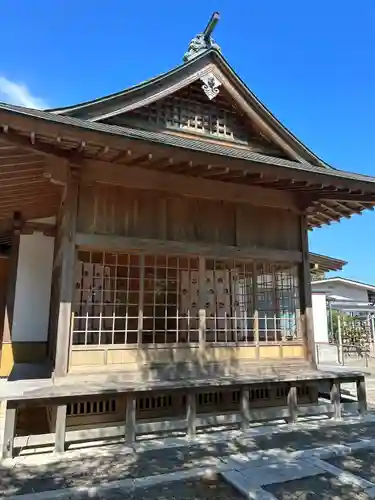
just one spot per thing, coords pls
(243, 415)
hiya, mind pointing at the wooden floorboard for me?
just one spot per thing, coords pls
(49, 391)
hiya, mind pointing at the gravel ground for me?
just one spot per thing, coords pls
(361, 463)
(322, 487)
(115, 462)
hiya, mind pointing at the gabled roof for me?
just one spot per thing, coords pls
(84, 134)
(209, 62)
(344, 281)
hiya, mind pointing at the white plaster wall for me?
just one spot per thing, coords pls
(33, 288)
(320, 317)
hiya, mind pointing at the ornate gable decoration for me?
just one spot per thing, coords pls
(210, 85)
(203, 108)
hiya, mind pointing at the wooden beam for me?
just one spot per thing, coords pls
(120, 243)
(25, 199)
(70, 206)
(140, 178)
(30, 143)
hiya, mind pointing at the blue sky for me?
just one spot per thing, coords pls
(311, 63)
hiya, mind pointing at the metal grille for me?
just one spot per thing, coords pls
(135, 299)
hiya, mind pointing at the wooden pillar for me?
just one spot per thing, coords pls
(340, 352)
(60, 427)
(68, 231)
(6, 350)
(141, 298)
(245, 407)
(335, 399)
(9, 431)
(191, 414)
(292, 403)
(131, 419)
(255, 307)
(306, 315)
(361, 396)
(202, 302)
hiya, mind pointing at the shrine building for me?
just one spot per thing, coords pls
(155, 269)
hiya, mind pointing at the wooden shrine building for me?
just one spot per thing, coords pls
(155, 263)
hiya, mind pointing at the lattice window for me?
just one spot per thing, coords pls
(277, 302)
(102, 406)
(190, 110)
(229, 304)
(155, 299)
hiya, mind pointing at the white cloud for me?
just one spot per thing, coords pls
(18, 93)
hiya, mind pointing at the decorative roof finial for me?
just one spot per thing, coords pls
(203, 41)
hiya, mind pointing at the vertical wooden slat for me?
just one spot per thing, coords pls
(335, 399)
(67, 275)
(245, 407)
(130, 421)
(361, 396)
(292, 403)
(9, 431)
(305, 294)
(191, 413)
(60, 429)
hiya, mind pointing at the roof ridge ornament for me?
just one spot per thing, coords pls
(203, 41)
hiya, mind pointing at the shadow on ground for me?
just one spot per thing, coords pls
(95, 466)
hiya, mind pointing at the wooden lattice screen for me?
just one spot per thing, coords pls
(156, 299)
(191, 111)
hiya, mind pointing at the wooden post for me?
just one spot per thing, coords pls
(9, 430)
(255, 308)
(202, 302)
(305, 295)
(60, 427)
(131, 419)
(361, 396)
(335, 399)
(292, 403)
(339, 341)
(69, 221)
(10, 294)
(245, 407)
(191, 411)
(141, 298)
